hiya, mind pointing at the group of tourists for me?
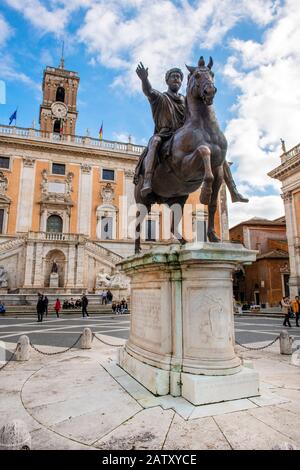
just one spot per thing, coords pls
(72, 303)
(42, 307)
(106, 297)
(120, 307)
(43, 301)
(291, 309)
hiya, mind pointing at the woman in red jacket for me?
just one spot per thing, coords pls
(57, 307)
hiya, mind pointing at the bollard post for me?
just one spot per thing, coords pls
(286, 343)
(86, 339)
(295, 359)
(23, 349)
(15, 436)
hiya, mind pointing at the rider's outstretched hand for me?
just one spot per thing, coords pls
(142, 72)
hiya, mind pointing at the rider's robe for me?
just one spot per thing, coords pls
(168, 113)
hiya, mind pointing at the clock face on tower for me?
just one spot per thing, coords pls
(59, 110)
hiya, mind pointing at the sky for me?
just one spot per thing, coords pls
(256, 53)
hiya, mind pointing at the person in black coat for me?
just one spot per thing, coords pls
(46, 302)
(84, 304)
(40, 307)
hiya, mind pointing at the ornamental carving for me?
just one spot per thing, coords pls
(29, 162)
(3, 183)
(107, 194)
(56, 197)
(68, 181)
(284, 269)
(287, 197)
(129, 173)
(44, 183)
(86, 168)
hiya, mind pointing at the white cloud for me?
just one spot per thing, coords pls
(161, 33)
(5, 31)
(123, 137)
(267, 108)
(267, 207)
(9, 71)
(52, 20)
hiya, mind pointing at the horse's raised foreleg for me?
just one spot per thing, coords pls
(206, 188)
(212, 207)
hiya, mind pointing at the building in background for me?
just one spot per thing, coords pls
(266, 280)
(65, 200)
(289, 175)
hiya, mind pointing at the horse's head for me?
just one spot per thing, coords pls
(201, 81)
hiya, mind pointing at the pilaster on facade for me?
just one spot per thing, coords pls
(38, 280)
(70, 271)
(289, 174)
(80, 266)
(29, 265)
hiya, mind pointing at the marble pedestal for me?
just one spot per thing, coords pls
(182, 331)
(53, 280)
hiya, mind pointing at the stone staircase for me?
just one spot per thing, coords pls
(103, 253)
(12, 244)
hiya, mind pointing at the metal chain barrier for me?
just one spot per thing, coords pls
(258, 349)
(10, 359)
(104, 342)
(57, 352)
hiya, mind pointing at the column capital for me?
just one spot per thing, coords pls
(287, 196)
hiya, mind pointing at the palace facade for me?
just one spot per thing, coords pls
(70, 199)
(288, 172)
(265, 281)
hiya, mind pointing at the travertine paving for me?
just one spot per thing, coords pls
(83, 400)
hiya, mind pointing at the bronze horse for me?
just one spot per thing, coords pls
(195, 156)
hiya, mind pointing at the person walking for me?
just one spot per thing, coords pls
(109, 296)
(46, 302)
(40, 307)
(57, 307)
(295, 304)
(285, 305)
(104, 297)
(84, 304)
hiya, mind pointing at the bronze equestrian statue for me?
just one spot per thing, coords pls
(188, 148)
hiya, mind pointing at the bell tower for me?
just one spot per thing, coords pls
(58, 111)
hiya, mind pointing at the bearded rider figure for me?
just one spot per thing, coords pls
(168, 110)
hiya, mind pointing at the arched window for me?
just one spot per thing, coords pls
(60, 94)
(56, 126)
(54, 224)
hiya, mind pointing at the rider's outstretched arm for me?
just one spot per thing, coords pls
(146, 85)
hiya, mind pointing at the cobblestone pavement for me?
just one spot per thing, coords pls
(83, 400)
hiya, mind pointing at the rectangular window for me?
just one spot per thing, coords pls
(58, 169)
(106, 228)
(1, 220)
(150, 230)
(108, 175)
(4, 162)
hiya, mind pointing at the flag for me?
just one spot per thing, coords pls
(61, 128)
(13, 117)
(101, 132)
